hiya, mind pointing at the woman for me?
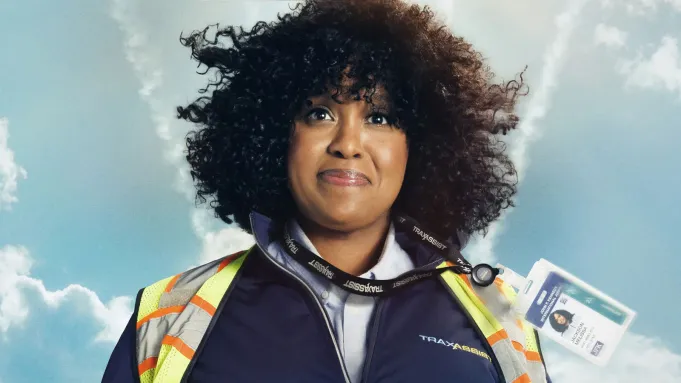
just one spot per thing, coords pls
(331, 135)
(561, 320)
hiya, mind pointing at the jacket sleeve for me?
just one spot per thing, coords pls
(122, 366)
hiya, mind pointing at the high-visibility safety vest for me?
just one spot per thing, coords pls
(174, 315)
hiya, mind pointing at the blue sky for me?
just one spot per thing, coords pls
(95, 203)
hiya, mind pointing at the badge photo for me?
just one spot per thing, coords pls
(571, 312)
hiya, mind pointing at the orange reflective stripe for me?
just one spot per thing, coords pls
(179, 345)
(159, 313)
(518, 346)
(172, 282)
(203, 304)
(497, 336)
(519, 324)
(532, 356)
(500, 286)
(229, 260)
(524, 378)
(148, 364)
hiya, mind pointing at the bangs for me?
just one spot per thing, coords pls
(354, 72)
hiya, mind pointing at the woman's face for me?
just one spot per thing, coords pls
(346, 162)
(561, 320)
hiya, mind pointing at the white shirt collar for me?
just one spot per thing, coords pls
(392, 262)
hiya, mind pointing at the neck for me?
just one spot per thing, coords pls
(354, 252)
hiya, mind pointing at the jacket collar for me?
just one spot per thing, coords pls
(265, 231)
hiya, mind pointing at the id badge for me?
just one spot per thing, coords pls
(569, 311)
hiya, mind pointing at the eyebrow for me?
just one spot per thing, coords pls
(379, 101)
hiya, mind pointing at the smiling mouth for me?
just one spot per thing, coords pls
(344, 177)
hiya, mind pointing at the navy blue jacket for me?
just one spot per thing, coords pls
(270, 328)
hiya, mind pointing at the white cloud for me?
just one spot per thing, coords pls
(481, 248)
(649, 7)
(641, 7)
(638, 359)
(662, 70)
(10, 172)
(217, 243)
(15, 267)
(149, 70)
(609, 36)
(15, 281)
(674, 4)
(13, 262)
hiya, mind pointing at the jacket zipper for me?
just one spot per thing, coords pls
(485, 343)
(374, 324)
(321, 308)
(372, 340)
(373, 327)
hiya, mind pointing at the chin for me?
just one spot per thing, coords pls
(342, 214)
(347, 221)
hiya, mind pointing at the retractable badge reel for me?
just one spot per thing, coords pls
(484, 274)
(569, 311)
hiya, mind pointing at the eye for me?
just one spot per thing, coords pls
(379, 119)
(318, 114)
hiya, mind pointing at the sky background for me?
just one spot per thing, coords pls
(95, 202)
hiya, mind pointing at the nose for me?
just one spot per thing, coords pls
(347, 141)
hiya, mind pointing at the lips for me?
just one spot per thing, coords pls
(344, 177)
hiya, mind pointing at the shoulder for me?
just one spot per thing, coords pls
(176, 290)
(209, 268)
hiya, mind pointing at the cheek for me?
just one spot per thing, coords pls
(393, 159)
(303, 153)
(296, 160)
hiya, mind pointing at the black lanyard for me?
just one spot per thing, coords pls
(482, 274)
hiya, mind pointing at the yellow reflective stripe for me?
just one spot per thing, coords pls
(530, 338)
(518, 365)
(171, 360)
(146, 369)
(173, 369)
(487, 323)
(507, 290)
(162, 354)
(151, 296)
(215, 287)
(148, 376)
(174, 355)
(171, 365)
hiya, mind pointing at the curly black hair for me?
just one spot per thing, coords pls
(442, 95)
(561, 328)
